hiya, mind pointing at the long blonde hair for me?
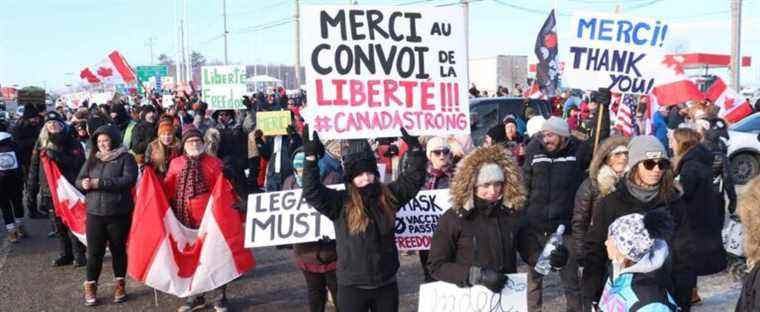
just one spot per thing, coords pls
(685, 140)
(357, 217)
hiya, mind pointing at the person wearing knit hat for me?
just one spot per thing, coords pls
(364, 217)
(637, 248)
(534, 125)
(163, 149)
(486, 198)
(554, 167)
(144, 132)
(440, 171)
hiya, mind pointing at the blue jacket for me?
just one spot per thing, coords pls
(660, 129)
(636, 288)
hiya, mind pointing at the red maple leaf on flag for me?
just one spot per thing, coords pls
(87, 75)
(105, 72)
(550, 40)
(729, 103)
(671, 61)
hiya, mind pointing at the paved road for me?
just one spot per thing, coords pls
(29, 283)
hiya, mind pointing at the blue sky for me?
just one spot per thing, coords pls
(43, 40)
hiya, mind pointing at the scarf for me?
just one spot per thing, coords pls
(110, 155)
(436, 176)
(189, 184)
(643, 194)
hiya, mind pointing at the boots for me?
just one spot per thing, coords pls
(120, 291)
(90, 293)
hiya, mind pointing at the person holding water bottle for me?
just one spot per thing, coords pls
(477, 239)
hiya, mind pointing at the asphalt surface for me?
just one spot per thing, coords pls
(29, 283)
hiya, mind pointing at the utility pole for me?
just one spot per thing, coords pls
(224, 14)
(297, 30)
(735, 64)
(150, 43)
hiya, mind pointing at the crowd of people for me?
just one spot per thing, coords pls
(643, 214)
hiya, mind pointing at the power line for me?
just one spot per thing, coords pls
(263, 27)
(526, 9)
(260, 9)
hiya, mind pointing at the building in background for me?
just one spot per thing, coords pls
(488, 73)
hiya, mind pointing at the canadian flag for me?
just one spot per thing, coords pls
(166, 255)
(672, 86)
(114, 69)
(732, 108)
(67, 200)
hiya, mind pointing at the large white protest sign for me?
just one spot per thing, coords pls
(372, 70)
(281, 218)
(417, 220)
(224, 86)
(446, 297)
(76, 99)
(620, 52)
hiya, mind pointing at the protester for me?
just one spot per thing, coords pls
(749, 212)
(514, 141)
(25, 133)
(122, 119)
(698, 245)
(277, 151)
(607, 168)
(232, 148)
(486, 196)
(106, 180)
(647, 185)
(144, 132)
(188, 185)
(79, 123)
(660, 125)
(638, 251)
(57, 144)
(317, 260)
(11, 184)
(162, 150)
(552, 176)
(364, 219)
(94, 121)
(440, 171)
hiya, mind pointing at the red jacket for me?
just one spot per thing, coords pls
(211, 168)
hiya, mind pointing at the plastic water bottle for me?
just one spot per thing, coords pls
(543, 266)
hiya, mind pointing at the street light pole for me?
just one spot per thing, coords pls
(224, 14)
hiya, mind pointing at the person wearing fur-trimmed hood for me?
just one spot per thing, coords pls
(477, 239)
(749, 212)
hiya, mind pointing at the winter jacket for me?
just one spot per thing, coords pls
(274, 178)
(142, 135)
(636, 288)
(113, 194)
(749, 298)
(68, 155)
(551, 181)
(319, 256)
(617, 204)
(601, 181)
(697, 243)
(25, 135)
(368, 258)
(10, 167)
(211, 167)
(476, 233)
(233, 153)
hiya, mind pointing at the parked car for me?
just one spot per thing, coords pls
(744, 148)
(492, 110)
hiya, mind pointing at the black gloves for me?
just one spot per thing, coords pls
(410, 141)
(491, 279)
(313, 146)
(558, 257)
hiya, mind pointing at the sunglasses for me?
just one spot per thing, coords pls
(443, 152)
(663, 164)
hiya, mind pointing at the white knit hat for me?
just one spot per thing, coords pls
(489, 173)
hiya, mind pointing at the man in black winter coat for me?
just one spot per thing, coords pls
(25, 133)
(552, 175)
(232, 148)
(144, 132)
(58, 144)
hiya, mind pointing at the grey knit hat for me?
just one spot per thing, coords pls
(489, 173)
(631, 236)
(557, 126)
(643, 147)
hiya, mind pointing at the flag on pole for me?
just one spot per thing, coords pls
(547, 69)
(625, 120)
(68, 202)
(112, 70)
(166, 255)
(672, 86)
(732, 107)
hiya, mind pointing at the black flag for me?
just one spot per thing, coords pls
(547, 69)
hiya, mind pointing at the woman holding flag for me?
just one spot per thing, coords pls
(106, 180)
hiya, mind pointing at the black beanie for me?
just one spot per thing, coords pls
(359, 158)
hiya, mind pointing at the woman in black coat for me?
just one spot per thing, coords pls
(697, 244)
(107, 179)
(364, 219)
